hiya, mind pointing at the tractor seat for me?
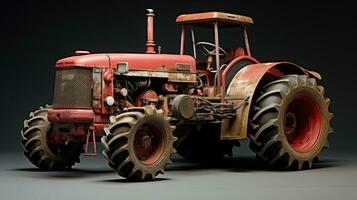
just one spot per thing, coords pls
(232, 54)
(239, 52)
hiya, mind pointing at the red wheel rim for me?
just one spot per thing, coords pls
(303, 123)
(149, 143)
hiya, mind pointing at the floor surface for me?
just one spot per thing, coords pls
(236, 178)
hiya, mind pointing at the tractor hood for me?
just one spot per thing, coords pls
(136, 62)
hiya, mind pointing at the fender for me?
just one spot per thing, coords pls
(244, 84)
(233, 67)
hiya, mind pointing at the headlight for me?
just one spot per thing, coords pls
(109, 100)
(122, 68)
(124, 92)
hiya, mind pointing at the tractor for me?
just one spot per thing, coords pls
(145, 107)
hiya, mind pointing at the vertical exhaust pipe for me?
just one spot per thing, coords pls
(150, 43)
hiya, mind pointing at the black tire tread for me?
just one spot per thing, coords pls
(34, 144)
(264, 141)
(116, 146)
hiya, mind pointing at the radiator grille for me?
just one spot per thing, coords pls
(73, 88)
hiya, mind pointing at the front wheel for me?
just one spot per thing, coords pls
(290, 122)
(41, 146)
(139, 144)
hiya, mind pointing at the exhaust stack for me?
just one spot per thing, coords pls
(150, 43)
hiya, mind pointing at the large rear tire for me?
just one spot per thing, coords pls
(201, 143)
(290, 122)
(139, 144)
(40, 149)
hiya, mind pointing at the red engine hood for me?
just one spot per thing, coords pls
(151, 62)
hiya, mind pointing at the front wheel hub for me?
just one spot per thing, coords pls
(145, 141)
(148, 143)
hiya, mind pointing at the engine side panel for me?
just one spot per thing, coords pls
(174, 68)
(155, 62)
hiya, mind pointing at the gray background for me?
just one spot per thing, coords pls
(35, 34)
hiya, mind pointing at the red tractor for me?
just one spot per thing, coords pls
(144, 106)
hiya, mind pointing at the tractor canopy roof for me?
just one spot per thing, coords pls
(208, 19)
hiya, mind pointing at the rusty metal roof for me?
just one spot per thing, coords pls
(208, 18)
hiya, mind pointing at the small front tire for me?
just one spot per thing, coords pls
(41, 150)
(139, 144)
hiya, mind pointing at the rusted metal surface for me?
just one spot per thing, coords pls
(183, 67)
(150, 44)
(90, 133)
(170, 76)
(182, 46)
(246, 41)
(107, 90)
(147, 62)
(210, 91)
(209, 76)
(313, 74)
(207, 18)
(230, 67)
(148, 97)
(149, 74)
(99, 128)
(182, 77)
(108, 76)
(122, 103)
(71, 116)
(169, 87)
(183, 107)
(77, 130)
(73, 88)
(153, 62)
(193, 43)
(244, 84)
(218, 64)
(97, 90)
(165, 104)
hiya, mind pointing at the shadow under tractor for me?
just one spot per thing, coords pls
(145, 107)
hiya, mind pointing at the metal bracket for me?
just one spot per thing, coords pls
(94, 153)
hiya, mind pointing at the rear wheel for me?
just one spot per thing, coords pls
(290, 122)
(201, 143)
(139, 144)
(41, 146)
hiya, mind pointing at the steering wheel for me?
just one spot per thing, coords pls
(204, 48)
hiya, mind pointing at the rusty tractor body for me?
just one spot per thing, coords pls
(144, 107)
